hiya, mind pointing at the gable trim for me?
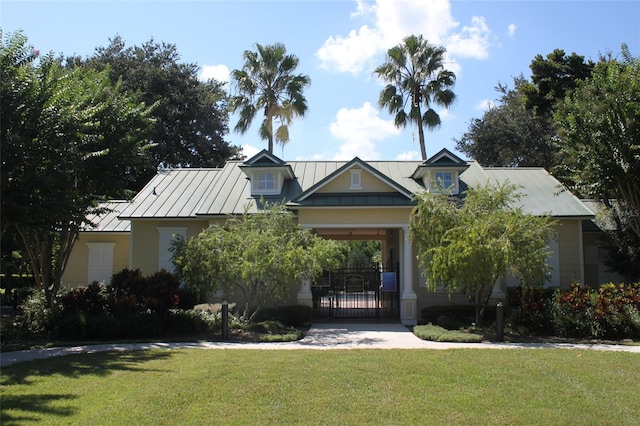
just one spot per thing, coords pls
(356, 162)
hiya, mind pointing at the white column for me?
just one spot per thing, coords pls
(304, 295)
(408, 297)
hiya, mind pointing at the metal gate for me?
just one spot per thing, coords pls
(357, 293)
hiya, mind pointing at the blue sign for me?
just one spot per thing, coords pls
(388, 281)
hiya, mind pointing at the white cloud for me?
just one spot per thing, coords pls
(250, 150)
(472, 42)
(408, 156)
(217, 72)
(359, 127)
(351, 53)
(390, 20)
(512, 30)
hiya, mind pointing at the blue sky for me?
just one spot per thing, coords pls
(339, 43)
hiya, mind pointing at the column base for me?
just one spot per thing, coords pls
(408, 308)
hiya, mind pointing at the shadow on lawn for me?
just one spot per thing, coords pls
(19, 406)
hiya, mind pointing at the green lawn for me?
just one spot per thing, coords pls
(403, 387)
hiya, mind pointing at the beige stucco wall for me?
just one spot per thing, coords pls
(569, 233)
(77, 271)
(369, 182)
(145, 244)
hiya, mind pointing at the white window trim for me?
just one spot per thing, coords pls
(433, 187)
(277, 182)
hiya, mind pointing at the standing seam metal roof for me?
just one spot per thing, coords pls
(183, 193)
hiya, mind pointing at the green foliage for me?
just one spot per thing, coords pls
(416, 78)
(467, 245)
(439, 334)
(552, 79)
(35, 316)
(451, 317)
(612, 311)
(70, 139)
(192, 321)
(266, 83)
(529, 310)
(190, 118)
(290, 316)
(509, 134)
(600, 131)
(260, 255)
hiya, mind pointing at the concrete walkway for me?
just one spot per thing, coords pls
(321, 336)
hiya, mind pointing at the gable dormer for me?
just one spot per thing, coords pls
(441, 171)
(267, 173)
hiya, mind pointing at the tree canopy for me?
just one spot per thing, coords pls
(416, 78)
(599, 127)
(519, 130)
(260, 255)
(190, 117)
(467, 244)
(509, 134)
(70, 139)
(267, 83)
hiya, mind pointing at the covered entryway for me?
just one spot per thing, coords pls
(357, 293)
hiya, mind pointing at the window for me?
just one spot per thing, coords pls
(444, 179)
(356, 180)
(265, 181)
(100, 262)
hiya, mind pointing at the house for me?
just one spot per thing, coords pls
(343, 200)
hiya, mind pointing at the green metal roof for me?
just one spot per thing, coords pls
(184, 193)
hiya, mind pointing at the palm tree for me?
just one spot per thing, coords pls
(415, 74)
(266, 83)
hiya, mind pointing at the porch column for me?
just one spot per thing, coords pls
(305, 297)
(408, 297)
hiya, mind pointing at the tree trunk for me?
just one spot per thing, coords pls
(423, 148)
(48, 254)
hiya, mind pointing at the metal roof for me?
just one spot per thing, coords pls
(109, 221)
(183, 193)
(541, 193)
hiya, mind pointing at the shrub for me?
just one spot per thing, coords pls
(35, 317)
(439, 334)
(190, 321)
(451, 317)
(530, 309)
(608, 312)
(290, 316)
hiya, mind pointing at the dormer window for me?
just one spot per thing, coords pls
(267, 173)
(444, 179)
(441, 172)
(266, 183)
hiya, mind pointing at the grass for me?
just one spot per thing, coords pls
(195, 386)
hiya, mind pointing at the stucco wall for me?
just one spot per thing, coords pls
(570, 251)
(76, 273)
(145, 244)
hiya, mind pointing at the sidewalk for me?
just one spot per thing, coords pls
(321, 336)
